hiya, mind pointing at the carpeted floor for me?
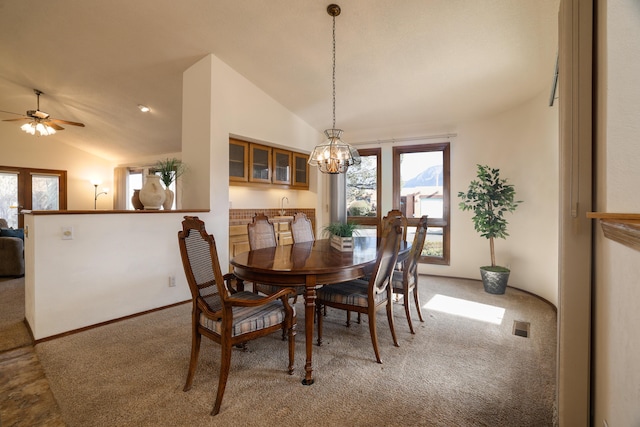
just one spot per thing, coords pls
(455, 371)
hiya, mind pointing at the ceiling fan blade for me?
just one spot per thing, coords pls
(66, 122)
(53, 125)
(13, 120)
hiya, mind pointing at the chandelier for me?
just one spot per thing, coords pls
(334, 155)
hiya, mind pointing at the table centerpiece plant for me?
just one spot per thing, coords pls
(341, 235)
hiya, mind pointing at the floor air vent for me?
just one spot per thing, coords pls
(521, 329)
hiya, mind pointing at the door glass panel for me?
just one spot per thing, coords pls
(44, 192)
(9, 198)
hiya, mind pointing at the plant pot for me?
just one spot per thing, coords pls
(168, 201)
(495, 279)
(343, 244)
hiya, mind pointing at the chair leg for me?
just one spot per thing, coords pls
(319, 316)
(292, 347)
(416, 298)
(225, 365)
(390, 317)
(407, 312)
(193, 360)
(374, 334)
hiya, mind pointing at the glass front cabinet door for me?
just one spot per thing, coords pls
(300, 170)
(260, 161)
(281, 166)
(238, 160)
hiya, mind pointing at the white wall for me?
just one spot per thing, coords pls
(218, 103)
(616, 389)
(116, 265)
(523, 144)
(19, 149)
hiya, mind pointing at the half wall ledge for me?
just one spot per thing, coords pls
(621, 227)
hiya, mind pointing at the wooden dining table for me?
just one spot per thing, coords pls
(309, 264)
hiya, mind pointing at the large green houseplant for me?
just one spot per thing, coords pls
(490, 197)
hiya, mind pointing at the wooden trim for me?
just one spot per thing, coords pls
(98, 212)
(623, 228)
(97, 325)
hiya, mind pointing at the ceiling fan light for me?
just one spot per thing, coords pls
(28, 128)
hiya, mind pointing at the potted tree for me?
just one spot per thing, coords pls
(341, 235)
(170, 170)
(490, 197)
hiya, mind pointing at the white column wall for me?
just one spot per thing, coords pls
(218, 103)
(616, 344)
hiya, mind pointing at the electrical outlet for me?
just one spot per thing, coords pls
(172, 281)
(67, 233)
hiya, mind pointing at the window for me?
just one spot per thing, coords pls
(421, 187)
(363, 191)
(30, 189)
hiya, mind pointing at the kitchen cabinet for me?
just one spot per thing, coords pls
(300, 170)
(281, 166)
(258, 164)
(238, 160)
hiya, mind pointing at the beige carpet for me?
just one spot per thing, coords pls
(454, 372)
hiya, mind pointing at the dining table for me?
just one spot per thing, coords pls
(310, 264)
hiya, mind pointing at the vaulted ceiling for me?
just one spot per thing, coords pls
(404, 68)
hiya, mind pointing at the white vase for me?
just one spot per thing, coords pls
(168, 201)
(152, 194)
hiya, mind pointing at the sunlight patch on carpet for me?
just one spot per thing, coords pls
(465, 308)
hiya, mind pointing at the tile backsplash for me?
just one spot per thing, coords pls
(244, 216)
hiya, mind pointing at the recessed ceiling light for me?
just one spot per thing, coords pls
(144, 108)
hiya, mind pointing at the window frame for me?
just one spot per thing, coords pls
(372, 220)
(25, 187)
(444, 222)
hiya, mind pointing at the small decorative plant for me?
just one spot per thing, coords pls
(170, 170)
(341, 229)
(489, 197)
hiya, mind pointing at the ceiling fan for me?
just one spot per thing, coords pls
(40, 121)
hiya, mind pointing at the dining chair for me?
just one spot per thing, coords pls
(301, 228)
(262, 234)
(225, 316)
(384, 223)
(392, 214)
(405, 281)
(367, 296)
